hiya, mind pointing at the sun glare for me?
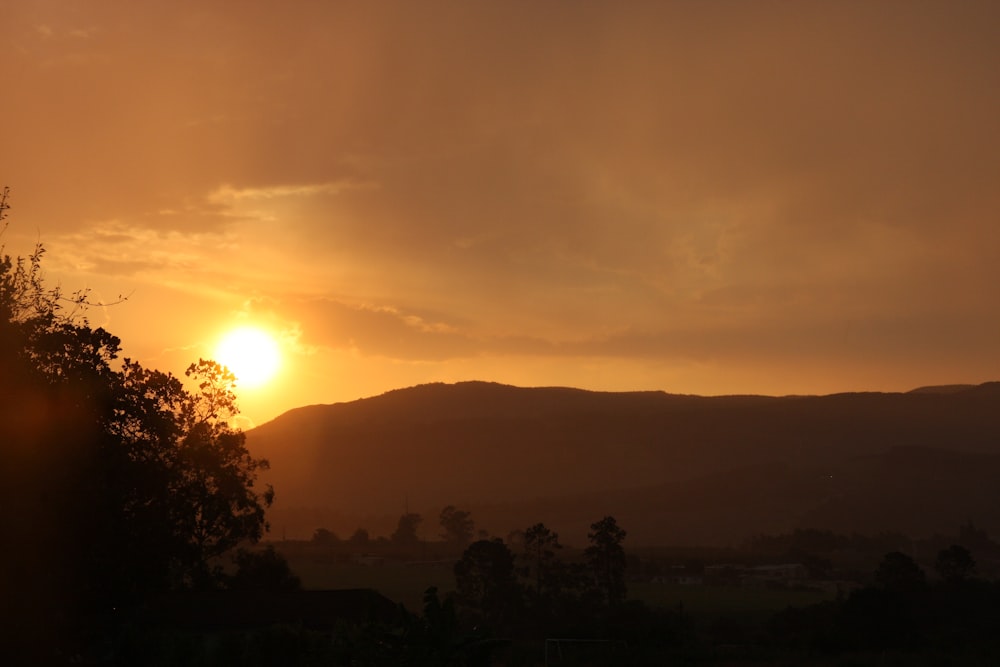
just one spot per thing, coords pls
(251, 354)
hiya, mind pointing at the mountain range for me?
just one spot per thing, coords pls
(673, 469)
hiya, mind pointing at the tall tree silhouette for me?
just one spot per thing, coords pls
(485, 582)
(606, 559)
(541, 561)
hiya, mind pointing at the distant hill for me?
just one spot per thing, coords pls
(942, 389)
(672, 468)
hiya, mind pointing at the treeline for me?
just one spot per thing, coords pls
(946, 616)
(951, 619)
(536, 587)
(829, 554)
(509, 598)
(512, 594)
(527, 578)
(456, 525)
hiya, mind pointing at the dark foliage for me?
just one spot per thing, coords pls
(606, 558)
(458, 526)
(951, 622)
(542, 566)
(263, 570)
(955, 564)
(405, 534)
(118, 482)
(324, 537)
(486, 586)
(539, 594)
(899, 573)
(359, 538)
(436, 638)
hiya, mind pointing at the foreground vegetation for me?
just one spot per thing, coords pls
(120, 483)
(829, 613)
(903, 617)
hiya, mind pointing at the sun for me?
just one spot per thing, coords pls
(251, 354)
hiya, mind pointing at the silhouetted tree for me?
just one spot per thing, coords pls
(485, 582)
(263, 570)
(955, 564)
(606, 559)
(433, 638)
(118, 481)
(406, 530)
(436, 639)
(457, 524)
(359, 538)
(542, 565)
(899, 573)
(977, 540)
(184, 464)
(324, 537)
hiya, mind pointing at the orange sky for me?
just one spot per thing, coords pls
(699, 197)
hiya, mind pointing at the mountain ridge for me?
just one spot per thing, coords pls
(482, 444)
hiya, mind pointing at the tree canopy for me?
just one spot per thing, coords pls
(955, 564)
(457, 524)
(119, 481)
(485, 580)
(542, 565)
(406, 530)
(899, 572)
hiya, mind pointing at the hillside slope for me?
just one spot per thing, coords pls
(713, 469)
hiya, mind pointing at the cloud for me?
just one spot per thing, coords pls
(227, 195)
(369, 330)
(595, 180)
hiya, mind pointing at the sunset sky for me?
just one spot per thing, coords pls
(697, 197)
